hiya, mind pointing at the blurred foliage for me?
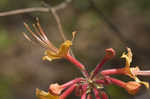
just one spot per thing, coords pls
(5, 88)
(82, 5)
(5, 40)
(3, 3)
(143, 5)
(116, 92)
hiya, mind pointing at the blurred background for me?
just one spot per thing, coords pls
(100, 24)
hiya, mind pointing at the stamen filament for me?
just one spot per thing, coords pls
(142, 73)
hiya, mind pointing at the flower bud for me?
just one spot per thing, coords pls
(132, 87)
(110, 52)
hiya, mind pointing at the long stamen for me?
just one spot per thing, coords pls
(37, 31)
(35, 36)
(50, 45)
(28, 38)
(142, 73)
(40, 28)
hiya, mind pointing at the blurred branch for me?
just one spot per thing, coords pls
(53, 10)
(60, 28)
(106, 19)
(35, 9)
(26, 10)
(118, 33)
(43, 9)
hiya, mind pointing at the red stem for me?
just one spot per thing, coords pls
(110, 53)
(83, 95)
(104, 95)
(89, 96)
(142, 73)
(101, 81)
(96, 92)
(98, 67)
(67, 92)
(78, 64)
(71, 82)
(112, 71)
(117, 82)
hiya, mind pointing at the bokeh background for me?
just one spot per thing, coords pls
(100, 24)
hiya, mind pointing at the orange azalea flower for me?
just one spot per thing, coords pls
(52, 52)
(129, 70)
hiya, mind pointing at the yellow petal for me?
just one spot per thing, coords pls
(64, 48)
(145, 83)
(62, 52)
(128, 57)
(51, 55)
(45, 95)
(142, 82)
(130, 71)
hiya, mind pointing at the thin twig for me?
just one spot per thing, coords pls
(43, 9)
(53, 10)
(35, 9)
(26, 10)
(117, 32)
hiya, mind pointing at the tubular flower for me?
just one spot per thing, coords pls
(51, 52)
(128, 70)
(45, 95)
(131, 87)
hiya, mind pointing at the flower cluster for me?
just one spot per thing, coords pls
(90, 83)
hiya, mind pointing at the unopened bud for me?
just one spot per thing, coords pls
(132, 87)
(110, 52)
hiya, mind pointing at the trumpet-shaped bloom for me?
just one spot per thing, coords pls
(128, 70)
